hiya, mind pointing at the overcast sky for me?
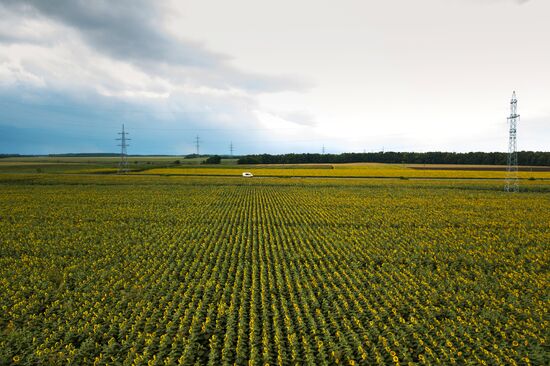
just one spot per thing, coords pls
(273, 76)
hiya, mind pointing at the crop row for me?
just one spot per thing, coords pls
(220, 273)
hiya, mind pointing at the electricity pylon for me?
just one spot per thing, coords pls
(512, 184)
(123, 164)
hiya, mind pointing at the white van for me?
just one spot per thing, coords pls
(247, 174)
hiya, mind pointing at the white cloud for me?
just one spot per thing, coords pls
(416, 75)
(120, 51)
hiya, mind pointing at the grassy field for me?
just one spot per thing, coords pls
(98, 159)
(369, 170)
(162, 165)
(166, 270)
(347, 170)
(94, 164)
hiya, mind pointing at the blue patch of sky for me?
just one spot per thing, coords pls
(47, 122)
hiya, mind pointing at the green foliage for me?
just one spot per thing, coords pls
(535, 158)
(214, 159)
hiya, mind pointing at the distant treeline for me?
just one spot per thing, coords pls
(102, 155)
(84, 155)
(59, 155)
(87, 155)
(539, 158)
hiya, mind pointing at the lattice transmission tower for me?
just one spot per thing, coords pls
(197, 144)
(123, 164)
(512, 184)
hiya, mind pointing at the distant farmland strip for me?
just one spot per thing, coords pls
(479, 168)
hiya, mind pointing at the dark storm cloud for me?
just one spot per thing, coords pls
(123, 29)
(132, 31)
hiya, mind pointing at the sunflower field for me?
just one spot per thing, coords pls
(149, 270)
(344, 171)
